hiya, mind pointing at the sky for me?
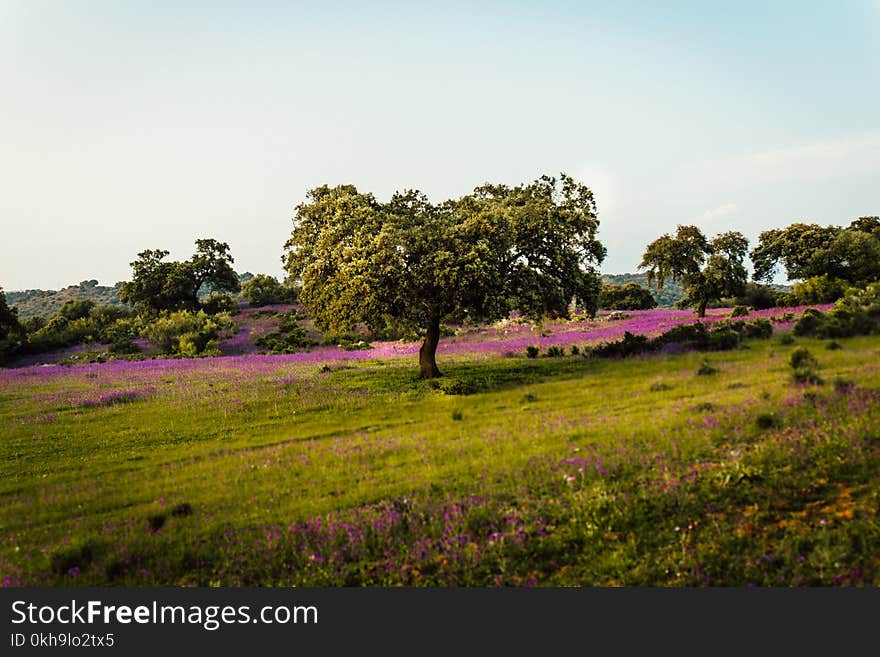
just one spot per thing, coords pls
(127, 126)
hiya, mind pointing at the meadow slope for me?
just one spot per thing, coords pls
(334, 470)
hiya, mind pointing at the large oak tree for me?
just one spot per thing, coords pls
(420, 265)
(851, 254)
(158, 284)
(707, 270)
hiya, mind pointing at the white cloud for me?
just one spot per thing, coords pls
(846, 156)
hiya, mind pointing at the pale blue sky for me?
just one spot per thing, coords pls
(134, 125)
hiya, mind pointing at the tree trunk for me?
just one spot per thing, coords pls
(428, 351)
(701, 310)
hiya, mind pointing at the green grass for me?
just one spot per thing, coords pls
(549, 471)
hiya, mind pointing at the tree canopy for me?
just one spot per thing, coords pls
(11, 332)
(851, 254)
(416, 264)
(158, 284)
(629, 296)
(708, 270)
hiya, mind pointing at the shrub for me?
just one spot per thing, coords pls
(758, 328)
(184, 333)
(768, 421)
(265, 290)
(629, 345)
(575, 350)
(818, 289)
(218, 303)
(786, 339)
(289, 338)
(555, 351)
(457, 415)
(457, 387)
(810, 322)
(760, 296)
(801, 357)
(695, 336)
(629, 296)
(833, 346)
(723, 340)
(740, 311)
(706, 369)
(804, 365)
(532, 351)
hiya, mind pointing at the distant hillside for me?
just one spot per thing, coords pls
(45, 303)
(666, 297)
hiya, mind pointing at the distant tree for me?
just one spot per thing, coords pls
(759, 296)
(211, 266)
(531, 247)
(630, 296)
(158, 285)
(77, 308)
(707, 270)
(851, 254)
(264, 290)
(11, 331)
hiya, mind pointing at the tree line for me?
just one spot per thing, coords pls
(412, 265)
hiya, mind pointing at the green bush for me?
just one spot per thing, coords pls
(218, 303)
(264, 290)
(819, 289)
(289, 338)
(629, 296)
(740, 311)
(555, 351)
(810, 322)
(801, 357)
(706, 369)
(758, 328)
(723, 340)
(185, 333)
(532, 351)
(457, 387)
(629, 345)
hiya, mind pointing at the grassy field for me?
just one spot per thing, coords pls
(550, 471)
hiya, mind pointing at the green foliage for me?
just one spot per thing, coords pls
(532, 351)
(555, 351)
(12, 336)
(666, 297)
(801, 358)
(706, 270)
(289, 337)
(45, 303)
(740, 311)
(804, 366)
(531, 247)
(706, 369)
(629, 296)
(761, 297)
(218, 303)
(265, 290)
(186, 334)
(857, 313)
(768, 421)
(458, 387)
(158, 285)
(818, 289)
(851, 254)
(76, 308)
